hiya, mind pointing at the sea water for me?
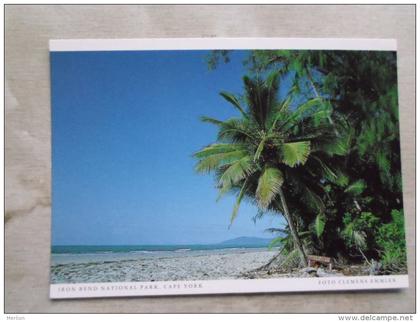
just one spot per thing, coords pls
(93, 254)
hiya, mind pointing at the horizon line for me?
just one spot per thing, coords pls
(214, 243)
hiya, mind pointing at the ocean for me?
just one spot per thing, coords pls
(91, 254)
(82, 249)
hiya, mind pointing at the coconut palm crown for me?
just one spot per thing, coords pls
(261, 153)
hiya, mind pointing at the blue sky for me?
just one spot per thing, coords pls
(125, 126)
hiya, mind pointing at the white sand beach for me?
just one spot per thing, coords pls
(159, 266)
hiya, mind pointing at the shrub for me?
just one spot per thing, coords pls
(358, 231)
(391, 241)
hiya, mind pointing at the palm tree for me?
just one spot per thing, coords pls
(263, 152)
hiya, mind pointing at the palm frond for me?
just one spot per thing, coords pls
(296, 153)
(214, 161)
(235, 130)
(217, 148)
(319, 224)
(211, 120)
(234, 101)
(328, 172)
(237, 171)
(238, 202)
(354, 236)
(269, 185)
(277, 231)
(300, 111)
(278, 241)
(279, 113)
(260, 213)
(359, 238)
(259, 148)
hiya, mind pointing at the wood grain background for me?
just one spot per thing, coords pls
(28, 151)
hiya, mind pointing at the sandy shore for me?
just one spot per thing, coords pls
(183, 266)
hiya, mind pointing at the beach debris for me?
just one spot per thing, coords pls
(308, 270)
(322, 273)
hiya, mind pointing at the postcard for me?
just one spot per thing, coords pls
(221, 166)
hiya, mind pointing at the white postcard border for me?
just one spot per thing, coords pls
(160, 288)
(57, 45)
(228, 286)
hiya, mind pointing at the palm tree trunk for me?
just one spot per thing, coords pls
(293, 230)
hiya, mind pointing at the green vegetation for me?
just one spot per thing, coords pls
(391, 241)
(326, 155)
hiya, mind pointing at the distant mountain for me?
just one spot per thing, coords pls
(247, 241)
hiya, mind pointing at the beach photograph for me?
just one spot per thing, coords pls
(195, 165)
